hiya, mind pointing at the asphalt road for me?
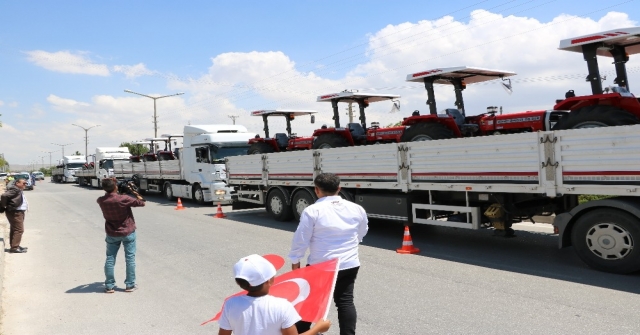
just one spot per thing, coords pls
(462, 282)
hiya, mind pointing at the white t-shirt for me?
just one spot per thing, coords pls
(266, 315)
(330, 228)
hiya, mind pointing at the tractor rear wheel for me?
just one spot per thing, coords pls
(426, 132)
(327, 141)
(596, 116)
(259, 148)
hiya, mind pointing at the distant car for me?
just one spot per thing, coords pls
(3, 175)
(26, 175)
(39, 175)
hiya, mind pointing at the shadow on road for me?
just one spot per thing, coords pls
(97, 287)
(530, 253)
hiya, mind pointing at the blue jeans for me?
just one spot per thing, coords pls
(113, 245)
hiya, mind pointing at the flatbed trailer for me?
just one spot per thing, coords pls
(474, 183)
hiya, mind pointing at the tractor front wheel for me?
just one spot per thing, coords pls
(426, 132)
(327, 141)
(259, 148)
(596, 116)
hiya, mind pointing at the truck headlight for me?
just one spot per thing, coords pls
(220, 192)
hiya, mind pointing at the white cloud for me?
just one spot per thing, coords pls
(67, 62)
(1, 103)
(66, 105)
(133, 71)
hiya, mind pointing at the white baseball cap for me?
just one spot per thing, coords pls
(255, 269)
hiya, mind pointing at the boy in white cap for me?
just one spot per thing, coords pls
(259, 313)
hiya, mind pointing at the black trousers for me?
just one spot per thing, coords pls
(343, 298)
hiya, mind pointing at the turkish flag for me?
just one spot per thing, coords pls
(309, 289)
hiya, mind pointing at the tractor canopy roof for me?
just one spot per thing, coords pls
(469, 75)
(626, 37)
(156, 139)
(355, 96)
(141, 142)
(283, 112)
(172, 135)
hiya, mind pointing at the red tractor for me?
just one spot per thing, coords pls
(354, 133)
(453, 122)
(612, 106)
(280, 141)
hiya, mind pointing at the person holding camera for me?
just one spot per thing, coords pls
(120, 228)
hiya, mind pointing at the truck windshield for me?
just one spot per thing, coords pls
(218, 154)
(74, 165)
(108, 164)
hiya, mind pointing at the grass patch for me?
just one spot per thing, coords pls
(591, 197)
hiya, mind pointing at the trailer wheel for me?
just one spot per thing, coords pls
(198, 195)
(426, 132)
(328, 141)
(596, 116)
(608, 240)
(168, 191)
(277, 206)
(301, 200)
(260, 148)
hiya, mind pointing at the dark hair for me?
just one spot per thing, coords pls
(327, 183)
(245, 285)
(108, 185)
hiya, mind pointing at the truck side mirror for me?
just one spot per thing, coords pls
(313, 119)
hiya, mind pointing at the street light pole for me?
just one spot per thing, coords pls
(62, 145)
(86, 130)
(155, 116)
(48, 152)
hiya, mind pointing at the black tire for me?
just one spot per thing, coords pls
(277, 205)
(167, 191)
(346, 195)
(426, 132)
(198, 195)
(596, 116)
(259, 148)
(327, 141)
(606, 240)
(301, 200)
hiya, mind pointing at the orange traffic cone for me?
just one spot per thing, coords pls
(179, 207)
(407, 244)
(219, 213)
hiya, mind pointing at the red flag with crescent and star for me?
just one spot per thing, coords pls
(309, 289)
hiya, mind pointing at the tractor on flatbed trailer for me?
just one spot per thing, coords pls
(280, 141)
(453, 122)
(611, 106)
(354, 133)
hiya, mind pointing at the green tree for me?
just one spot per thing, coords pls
(78, 153)
(135, 149)
(3, 163)
(46, 171)
(394, 124)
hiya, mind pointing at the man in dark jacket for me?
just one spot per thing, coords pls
(15, 204)
(120, 228)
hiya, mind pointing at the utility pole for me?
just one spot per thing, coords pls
(62, 145)
(350, 109)
(86, 130)
(155, 116)
(49, 152)
(233, 117)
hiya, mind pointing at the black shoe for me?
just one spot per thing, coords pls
(17, 251)
(23, 248)
(131, 288)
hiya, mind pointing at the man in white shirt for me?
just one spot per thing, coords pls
(332, 228)
(257, 312)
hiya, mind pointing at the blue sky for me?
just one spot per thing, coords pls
(69, 62)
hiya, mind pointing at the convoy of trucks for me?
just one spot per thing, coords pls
(443, 169)
(66, 169)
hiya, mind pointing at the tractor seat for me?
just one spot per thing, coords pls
(357, 132)
(282, 140)
(465, 128)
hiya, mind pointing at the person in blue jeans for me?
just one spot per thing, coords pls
(120, 228)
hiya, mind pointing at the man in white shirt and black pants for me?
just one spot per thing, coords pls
(332, 228)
